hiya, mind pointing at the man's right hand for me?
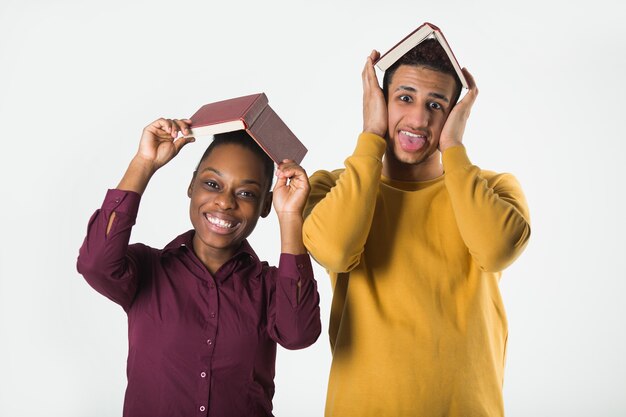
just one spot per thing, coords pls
(374, 104)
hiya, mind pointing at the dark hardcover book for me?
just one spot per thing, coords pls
(253, 114)
(423, 32)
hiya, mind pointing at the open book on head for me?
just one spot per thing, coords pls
(423, 32)
(254, 115)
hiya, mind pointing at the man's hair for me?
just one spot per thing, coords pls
(428, 54)
(241, 138)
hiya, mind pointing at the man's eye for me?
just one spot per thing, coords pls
(406, 99)
(435, 105)
(212, 184)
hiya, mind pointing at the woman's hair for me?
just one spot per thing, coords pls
(241, 138)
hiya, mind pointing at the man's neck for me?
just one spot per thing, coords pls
(424, 171)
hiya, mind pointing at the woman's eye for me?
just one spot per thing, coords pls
(406, 99)
(212, 184)
(247, 194)
(435, 105)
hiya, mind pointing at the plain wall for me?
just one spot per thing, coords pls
(80, 79)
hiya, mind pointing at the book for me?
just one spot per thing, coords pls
(253, 114)
(423, 32)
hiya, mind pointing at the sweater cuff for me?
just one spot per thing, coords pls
(370, 144)
(455, 158)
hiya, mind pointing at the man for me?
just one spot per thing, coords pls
(414, 237)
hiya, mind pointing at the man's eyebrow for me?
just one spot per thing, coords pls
(246, 181)
(439, 96)
(407, 88)
(414, 90)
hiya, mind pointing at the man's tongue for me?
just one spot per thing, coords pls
(411, 143)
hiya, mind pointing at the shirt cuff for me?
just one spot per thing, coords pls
(120, 201)
(455, 158)
(370, 144)
(295, 267)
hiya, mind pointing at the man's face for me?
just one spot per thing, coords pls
(418, 105)
(228, 194)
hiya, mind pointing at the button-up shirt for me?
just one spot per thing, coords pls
(199, 344)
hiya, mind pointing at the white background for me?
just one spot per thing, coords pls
(80, 79)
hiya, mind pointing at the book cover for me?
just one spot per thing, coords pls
(227, 115)
(424, 31)
(253, 114)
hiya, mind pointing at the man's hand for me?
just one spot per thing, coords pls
(374, 105)
(160, 142)
(452, 132)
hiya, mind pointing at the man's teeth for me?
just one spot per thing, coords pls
(219, 222)
(413, 135)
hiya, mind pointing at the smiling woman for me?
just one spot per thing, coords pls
(229, 192)
(205, 314)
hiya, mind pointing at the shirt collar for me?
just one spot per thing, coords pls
(244, 257)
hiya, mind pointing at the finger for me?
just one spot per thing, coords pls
(371, 79)
(159, 128)
(369, 64)
(163, 124)
(286, 163)
(470, 79)
(185, 125)
(177, 126)
(281, 182)
(182, 141)
(291, 170)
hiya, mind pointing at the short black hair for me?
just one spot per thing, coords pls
(243, 139)
(428, 54)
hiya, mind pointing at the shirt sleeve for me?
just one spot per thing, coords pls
(490, 210)
(341, 207)
(104, 259)
(293, 305)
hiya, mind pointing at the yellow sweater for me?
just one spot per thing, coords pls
(417, 324)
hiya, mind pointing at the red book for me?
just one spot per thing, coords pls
(423, 32)
(254, 115)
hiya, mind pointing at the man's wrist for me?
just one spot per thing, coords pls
(449, 144)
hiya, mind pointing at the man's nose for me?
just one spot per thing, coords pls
(419, 116)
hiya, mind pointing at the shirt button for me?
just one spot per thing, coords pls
(209, 342)
(211, 285)
(212, 315)
(202, 408)
(117, 200)
(300, 266)
(202, 374)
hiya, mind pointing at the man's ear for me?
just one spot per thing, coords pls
(267, 205)
(190, 189)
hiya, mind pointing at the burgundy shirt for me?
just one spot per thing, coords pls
(199, 344)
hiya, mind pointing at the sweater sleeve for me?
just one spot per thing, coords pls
(490, 210)
(341, 206)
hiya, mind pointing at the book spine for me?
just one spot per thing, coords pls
(255, 109)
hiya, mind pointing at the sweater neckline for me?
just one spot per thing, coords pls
(410, 185)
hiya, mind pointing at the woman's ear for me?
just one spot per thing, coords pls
(190, 188)
(267, 205)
